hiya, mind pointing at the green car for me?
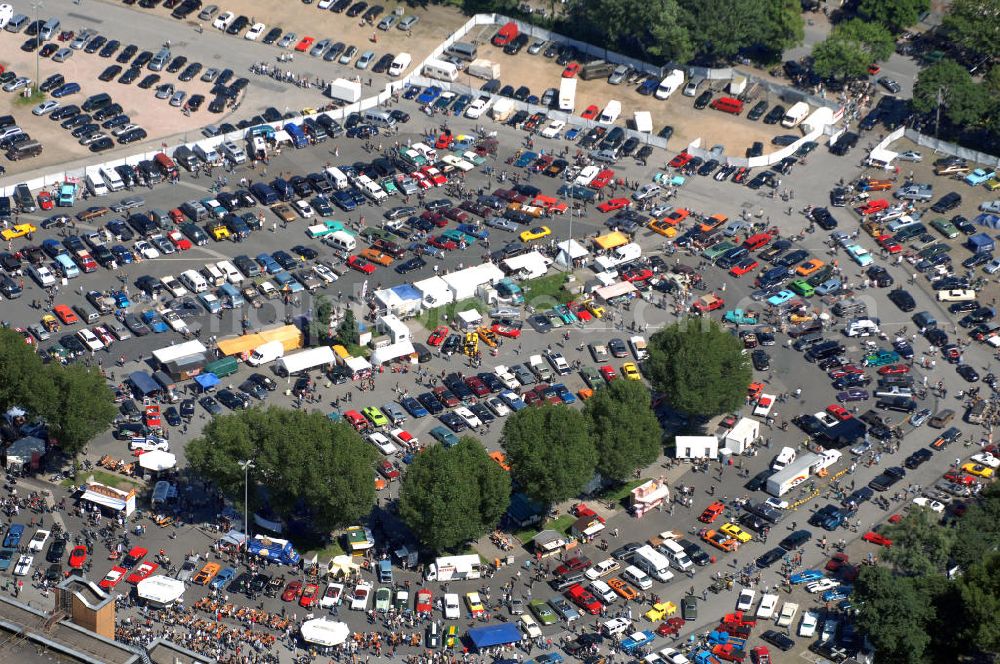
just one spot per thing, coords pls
(567, 316)
(389, 185)
(375, 416)
(945, 228)
(444, 436)
(802, 287)
(458, 236)
(371, 234)
(717, 250)
(592, 378)
(543, 612)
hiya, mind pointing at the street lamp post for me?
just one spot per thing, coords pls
(246, 466)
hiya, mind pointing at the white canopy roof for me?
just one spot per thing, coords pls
(391, 352)
(325, 632)
(470, 316)
(357, 364)
(160, 589)
(157, 460)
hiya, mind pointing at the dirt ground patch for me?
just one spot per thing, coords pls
(713, 127)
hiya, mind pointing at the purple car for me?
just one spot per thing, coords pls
(853, 394)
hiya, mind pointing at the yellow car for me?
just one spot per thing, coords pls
(978, 470)
(993, 184)
(660, 611)
(809, 267)
(595, 309)
(733, 530)
(630, 371)
(535, 233)
(451, 637)
(475, 604)
(799, 317)
(15, 232)
(662, 227)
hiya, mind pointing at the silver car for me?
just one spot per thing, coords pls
(319, 47)
(348, 55)
(365, 60)
(536, 47)
(178, 98)
(210, 75)
(910, 155)
(619, 75)
(165, 91)
(208, 12)
(62, 55)
(287, 40)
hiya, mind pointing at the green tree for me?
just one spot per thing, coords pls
(977, 534)
(699, 367)
(894, 14)
(851, 48)
(323, 309)
(639, 27)
(965, 103)
(975, 25)
(304, 463)
(80, 406)
(347, 331)
(724, 28)
(452, 495)
(895, 614)
(624, 429)
(20, 369)
(551, 455)
(920, 544)
(979, 589)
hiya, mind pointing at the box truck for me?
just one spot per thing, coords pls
(341, 88)
(567, 94)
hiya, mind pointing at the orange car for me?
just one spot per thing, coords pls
(720, 540)
(376, 256)
(809, 267)
(662, 227)
(501, 459)
(712, 512)
(310, 595)
(868, 184)
(65, 314)
(207, 573)
(713, 222)
(622, 588)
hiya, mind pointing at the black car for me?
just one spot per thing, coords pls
(130, 75)
(272, 36)
(769, 558)
(230, 400)
(211, 405)
(778, 640)
(56, 551)
(110, 48)
(758, 481)
(862, 495)
(887, 479)
(948, 202)
(757, 112)
(430, 402)
(795, 540)
(774, 115)
(703, 100)
(902, 299)
(383, 63)
(761, 360)
(968, 373)
(917, 458)
(131, 136)
(142, 59)
(149, 81)
(176, 64)
(190, 71)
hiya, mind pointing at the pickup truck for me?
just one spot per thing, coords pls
(539, 368)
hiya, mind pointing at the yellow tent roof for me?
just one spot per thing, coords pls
(611, 240)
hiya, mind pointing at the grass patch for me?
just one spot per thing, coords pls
(542, 291)
(330, 551)
(561, 524)
(434, 317)
(618, 494)
(526, 535)
(109, 479)
(36, 97)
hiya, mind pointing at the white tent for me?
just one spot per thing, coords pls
(434, 292)
(342, 566)
(323, 632)
(357, 365)
(395, 328)
(157, 460)
(160, 590)
(881, 157)
(470, 319)
(463, 284)
(615, 290)
(391, 352)
(570, 251)
(527, 266)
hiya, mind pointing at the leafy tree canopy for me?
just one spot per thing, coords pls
(965, 102)
(452, 495)
(851, 48)
(639, 27)
(895, 615)
(975, 25)
(896, 15)
(722, 28)
(920, 546)
(550, 452)
(80, 406)
(624, 429)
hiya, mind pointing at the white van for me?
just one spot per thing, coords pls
(676, 555)
(193, 281)
(796, 114)
(379, 118)
(207, 154)
(112, 179)
(611, 112)
(400, 64)
(337, 178)
(233, 152)
(268, 352)
(96, 185)
(342, 241)
(637, 577)
(6, 13)
(861, 327)
(616, 626)
(233, 275)
(785, 457)
(603, 592)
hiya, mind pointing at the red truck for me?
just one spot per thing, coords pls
(506, 34)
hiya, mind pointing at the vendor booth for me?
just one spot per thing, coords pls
(434, 292)
(743, 435)
(108, 497)
(571, 254)
(402, 301)
(207, 381)
(157, 461)
(325, 633)
(648, 496)
(358, 366)
(403, 349)
(160, 591)
(469, 320)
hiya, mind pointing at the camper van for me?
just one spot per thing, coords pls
(463, 50)
(379, 118)
(440, 70)
(796, 114)
(337, 178)
(400, 64)
(111, 178)
(193, 281)
(342, 242)
(96, 185)
(611, 112)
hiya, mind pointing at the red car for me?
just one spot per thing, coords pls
(425, 601)
(65, 314)
(608, 372)
(671, 626)
(45, 201)
(292, 591)
(743, 267)
(615, 204)
(435, 218)
(113, 577)
(894, 369)
(876, 538)
(310, 595)
(712, 512)
(477, 386)
(889, 244)
(438, 336)
(508, 331)
(838, 412)
(442, 242)
(421, 180)
(590, 112)
(360, 264)
(177, 216)
(443, 141)
(846, 370)
(135, 555)
(584, 599)
(305, 44)
(387, 470)
(837, 561)
(143, 571)
(637, 274)
(602, 179)
(445, 396)
(760, 655)
(680, 161)
(356, 420)
(78, 557)
(571, 70)
(434, 175)
(574, 564)
(758, 241)
(178, 239)
(873, 207)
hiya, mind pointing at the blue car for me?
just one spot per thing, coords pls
(14, 534)
(563, 393)
(6, 558)
(222, 578)
(513, 401)
(638, 640)
(443, 436)
(121, 299)
(66, 89)
(829, 287)
(525, 159)
(269, 264)
(411, 91)
(781, 298)
(572, 134)
(838, 593)
(154, 321)
(413, 407)
(122, 254)
(648, 86)
(806, 576)
(429, 95)
(287, 282)
(344, 201)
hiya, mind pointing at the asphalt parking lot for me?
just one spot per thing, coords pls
(808, 185)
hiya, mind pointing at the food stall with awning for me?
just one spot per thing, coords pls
(620, 289)
(160, 590)
(324, 633)
(481, 638)
(469, 319)
(109, 497)
(342, 567)
(359, 367)
(648, 496)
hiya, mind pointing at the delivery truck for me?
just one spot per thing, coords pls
(794, 474)
(567, 94)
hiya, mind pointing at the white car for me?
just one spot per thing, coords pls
(821, 585)
(553, 129)
(90, 340)
(745, 600)
(990, 206)
(359, 598)
(255, 31)
(808, 625)
(24, 564)
(383, 444)
(146, 250)
(932, 505)
(304, 209)
(498, 407)
(777, 503)
(469, 417)
(124, 129)
(910, 155)
(788, 611)
(45, 107)
(452, 609)
(223, 20)
(149, 444)
(268, 290)
(173, 286)
(986, 459)
(333, 595)
(672, 656)
(768, 603)
(38, 540)
(602, 568)
(325, 273)
(529, 626)
(992, 267)
(42, 275)
(174, 320)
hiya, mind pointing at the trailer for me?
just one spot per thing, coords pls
(483, 68)
(341, 88)
(644, 122)
(793, 474)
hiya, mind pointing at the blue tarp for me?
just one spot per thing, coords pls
(207, 380)
(143, 382)
(493, 635)
(991, 220)
(407, 292)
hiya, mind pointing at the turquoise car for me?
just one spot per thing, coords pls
(458, 236)
(978, 177)
(780, 298)
(444, 436)
(566, 315)
(881, 358)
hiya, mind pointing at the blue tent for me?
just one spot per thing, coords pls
(206, 381)
(984, 219)
(143, 382)
(980, 243)
(493, 635)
